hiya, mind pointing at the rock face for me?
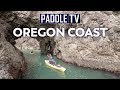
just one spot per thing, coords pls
(98, 53)
(12, 62)
(27, 43)
(47, 44)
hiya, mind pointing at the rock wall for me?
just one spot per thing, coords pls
(12, 62)
(47, 45)
(27, 43)
(99, 53)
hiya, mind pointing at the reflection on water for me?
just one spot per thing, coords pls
(37, 69)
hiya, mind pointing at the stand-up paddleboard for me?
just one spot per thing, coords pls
(57, 67)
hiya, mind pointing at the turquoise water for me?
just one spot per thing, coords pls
(37, 69)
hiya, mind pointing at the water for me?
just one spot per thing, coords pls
(37, 69)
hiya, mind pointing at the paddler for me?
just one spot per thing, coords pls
(51, 60)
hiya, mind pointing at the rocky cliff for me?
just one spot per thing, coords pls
(99, 53)
(12, 62)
